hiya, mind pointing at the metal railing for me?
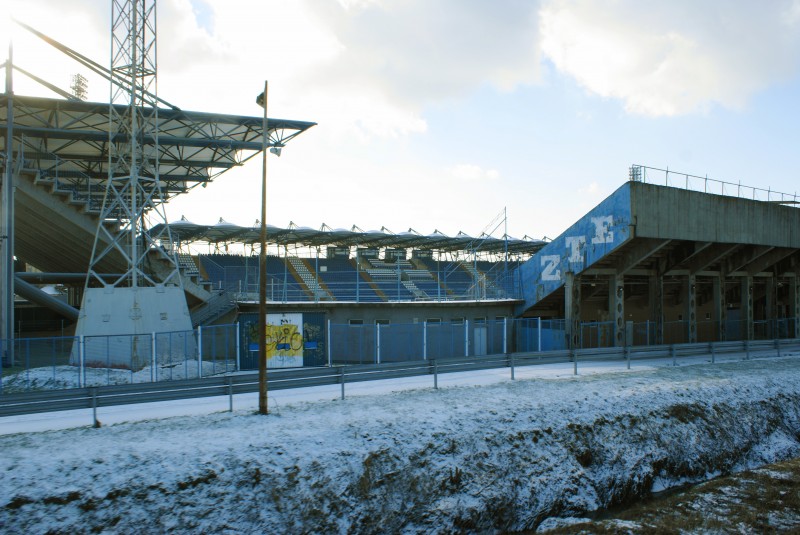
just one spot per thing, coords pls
(676, 179)
(351, 286)
(231, 385)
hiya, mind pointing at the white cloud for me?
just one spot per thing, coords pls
(42, 60)
(591, 189)
(473, 173)
(416, 53)
(671, 58)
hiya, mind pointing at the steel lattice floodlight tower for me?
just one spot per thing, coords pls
(148, 297)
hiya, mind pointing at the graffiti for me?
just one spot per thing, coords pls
(284, 338)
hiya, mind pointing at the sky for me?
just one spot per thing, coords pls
(445, 114)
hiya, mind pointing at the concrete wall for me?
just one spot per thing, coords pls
(397, 313)
(605, 228)
(672, 213)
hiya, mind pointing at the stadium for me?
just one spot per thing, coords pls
(630, 272)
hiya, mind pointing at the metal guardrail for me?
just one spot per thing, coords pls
(230, 385)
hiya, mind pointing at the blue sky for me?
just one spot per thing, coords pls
(440, 114)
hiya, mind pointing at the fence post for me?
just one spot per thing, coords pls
(425, 340)
(238, 347)
(435, 374)
(341, 379)
(153, 357)
(539, 330)
(377, 343)
(199, 351)
(511, 363)
(505, 335)
(575, 361)
(95, 422)
(230, 393)
(81, 361)
(330, 362)
(466, 337)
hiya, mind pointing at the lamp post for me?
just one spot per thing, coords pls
(262, 267)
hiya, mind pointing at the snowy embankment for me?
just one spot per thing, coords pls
(505, 456)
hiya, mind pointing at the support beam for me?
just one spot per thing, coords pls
(746, 256)
(709, 256)
(572, 309)
(766, 261)
(691, 309)
(720, 307)
(616, 301)
(637, 252)
(657, 306)
(770, 307)
(794, 297)
(672, 263)
(747, 306)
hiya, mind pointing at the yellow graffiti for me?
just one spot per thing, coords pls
(284, 341)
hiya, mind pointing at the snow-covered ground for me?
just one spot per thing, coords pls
(481, 453)
(65, 376)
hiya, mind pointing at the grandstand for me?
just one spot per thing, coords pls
(628, 271)
(369, 274)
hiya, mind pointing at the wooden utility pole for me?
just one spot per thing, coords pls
(263, 407)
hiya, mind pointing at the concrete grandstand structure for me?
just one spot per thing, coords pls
(674, 262)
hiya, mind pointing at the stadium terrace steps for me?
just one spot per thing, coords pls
(55, 232)
(316, 287)
(342, 279)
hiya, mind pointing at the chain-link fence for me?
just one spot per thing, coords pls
(77, 361)
(69, 362)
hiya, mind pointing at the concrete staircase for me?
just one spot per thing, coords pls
(318, 292)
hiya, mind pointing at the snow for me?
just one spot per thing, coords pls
(58, 377)
(481, 453)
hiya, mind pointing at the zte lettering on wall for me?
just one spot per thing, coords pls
(575, 248)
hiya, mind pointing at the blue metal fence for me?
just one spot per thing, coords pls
(79, 361)
(71, 362)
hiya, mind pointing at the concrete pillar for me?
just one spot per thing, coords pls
(794, 297)
(720, 307)
(657, 308)
(770, 308)
(747, 307)
(572, 309)
(7, 225)
(691, 309)
(616, 302)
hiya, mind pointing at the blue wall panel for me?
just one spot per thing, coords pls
(599, 232)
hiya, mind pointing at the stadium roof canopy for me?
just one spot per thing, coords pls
(224, 232)
(67, 142)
